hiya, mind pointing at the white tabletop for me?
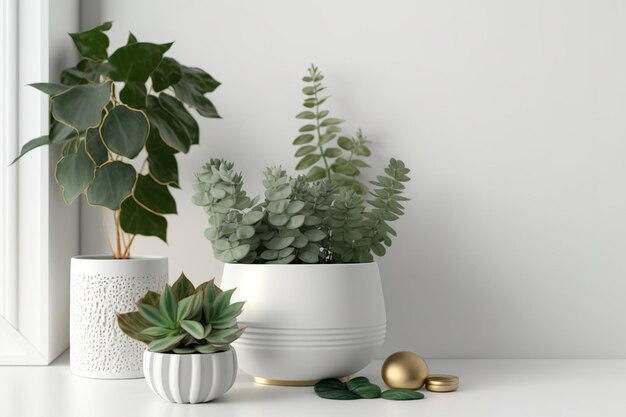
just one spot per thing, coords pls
(499, 388)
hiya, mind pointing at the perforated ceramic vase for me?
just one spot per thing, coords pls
(101, 286)
(190, 378)
(307, 322)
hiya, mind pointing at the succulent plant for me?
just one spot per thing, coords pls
(109, 110)
(320, 217)
(184, 319)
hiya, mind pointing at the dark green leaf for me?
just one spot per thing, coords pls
(164, 169)
(81, 106)
(32, 144)
(368, 390)
(124, 131)
(95, 148)
(176, 109)
(112, 183)
(171, 130)
(167, 74)
(182, 287)
(307, 161)
(131, 38)
(345, 143)
(401, 394)
(165, 344)
(134, 95)
(93, 43)
(136, 61)
(51, 89)
(137, 220)
(191, 88)
(154, 196)
(59, 134)
(333, 389)
(74, 173)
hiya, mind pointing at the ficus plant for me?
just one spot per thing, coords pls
(320, 217)
(184, 319)
(121, 119)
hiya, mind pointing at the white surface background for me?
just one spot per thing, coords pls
(512, 116)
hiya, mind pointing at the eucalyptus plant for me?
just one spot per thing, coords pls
(184, 319)
(111, 110)
(320, 217)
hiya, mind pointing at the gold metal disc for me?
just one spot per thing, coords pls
(405, 370)
(442, 383)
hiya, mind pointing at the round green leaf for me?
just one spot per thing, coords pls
(134, 95)
(74, 172)
(176, 109)
(154, 196)
(401, 394)
(113, 182)
(95, 148)
(124, 131)
(81, 105)
(366, 390)
(139, 221)
(332, 152)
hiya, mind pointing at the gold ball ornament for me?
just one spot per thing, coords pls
(405, 370)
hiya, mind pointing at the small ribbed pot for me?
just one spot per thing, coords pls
(190, 378)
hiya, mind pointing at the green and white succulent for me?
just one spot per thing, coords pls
(320, 217)
(184, 319)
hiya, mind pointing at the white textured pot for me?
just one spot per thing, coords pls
(101, 286)
(190, 378)
(307, 322)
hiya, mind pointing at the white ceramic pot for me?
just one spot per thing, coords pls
(101, 286)
(190, 378)
(307, 322)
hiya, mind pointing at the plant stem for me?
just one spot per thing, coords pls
(118, 246)
(106, 232)
(317, 125)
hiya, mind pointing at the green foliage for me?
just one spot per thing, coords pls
(401, 394)
(360, 387)
(299, 221)
(322, 151)
(102, 127)
(321, 217)
(184, 319)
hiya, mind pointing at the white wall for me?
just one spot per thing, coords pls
(512, 116)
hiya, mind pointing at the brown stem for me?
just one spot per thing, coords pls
(106, 232)
(118, 251)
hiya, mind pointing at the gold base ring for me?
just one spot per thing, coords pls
(283, 383)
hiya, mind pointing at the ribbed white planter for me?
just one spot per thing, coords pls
(307, 322)
(190, 378)
(101, 286)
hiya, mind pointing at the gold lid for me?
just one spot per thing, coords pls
(442, 383)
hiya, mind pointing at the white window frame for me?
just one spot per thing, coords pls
(39, 233)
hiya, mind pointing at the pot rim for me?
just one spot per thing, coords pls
(111, 258)
(187, 354)
(302, 265)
